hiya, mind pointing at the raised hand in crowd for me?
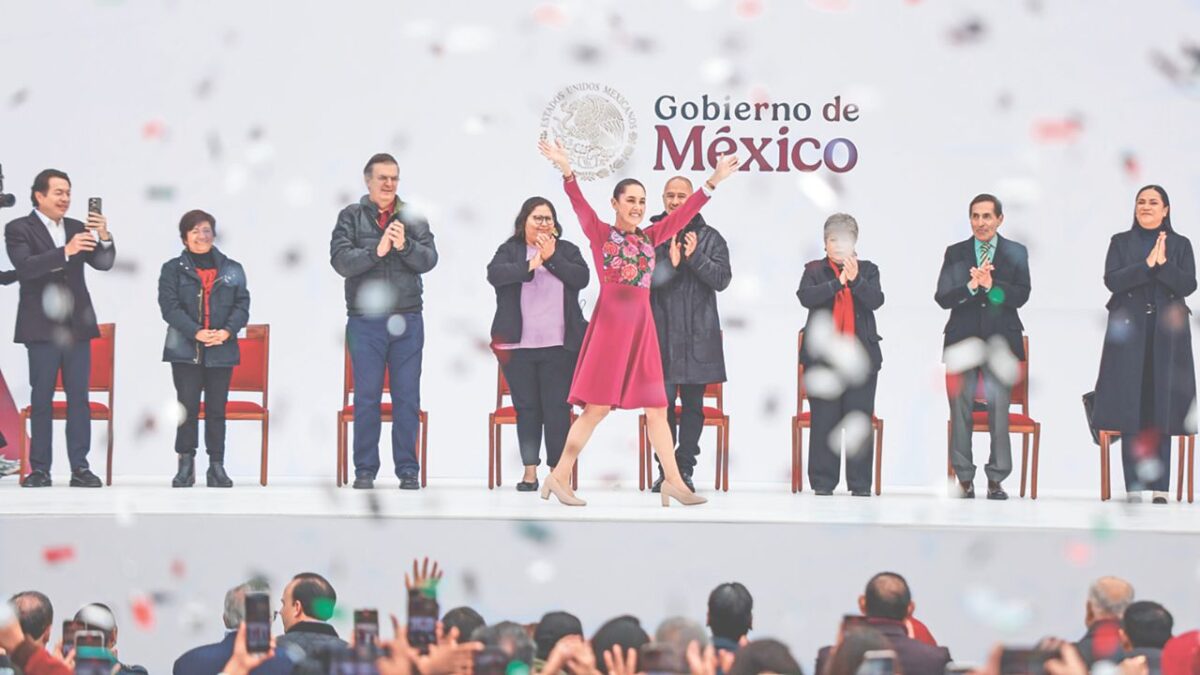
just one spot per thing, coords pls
(241, 662)
(82, 242)
(708, 661)
(620, 661)
(557, 154)
(423, 578)
(726, 165)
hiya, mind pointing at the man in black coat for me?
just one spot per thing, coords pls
(55, 319)
(982, 282)
(211, 658)
(689, 270)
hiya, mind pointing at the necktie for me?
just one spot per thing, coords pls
(985, 252)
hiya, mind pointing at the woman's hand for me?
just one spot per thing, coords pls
(850, 268)
(536, 261)
(673, 251)
(557, 154)
(1158, 254)
(726, 165)
(546, 246)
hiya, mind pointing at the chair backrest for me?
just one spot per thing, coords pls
(502, 388)
(251, 373)
(716, 390)
(348, 378)
(103, 348)
(1020, 391)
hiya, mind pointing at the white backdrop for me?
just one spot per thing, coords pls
(263, 114)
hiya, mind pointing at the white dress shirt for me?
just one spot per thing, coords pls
(58, 232)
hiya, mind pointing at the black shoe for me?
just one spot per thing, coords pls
(364, 483)
(860, 493)
(657, 487)
(217, 477)
(995, 491)
(527, 486)
(85, 478)
(823, 493)
(1160, 500)
(186, 475)
(966, 489)
(37, 479)
(687, 480)
(409, 483)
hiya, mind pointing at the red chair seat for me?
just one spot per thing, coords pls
(239, 407)
(710, 413)
(96, 410)
(385, 408)
(980, 418)
(805, 416)
(506, 411)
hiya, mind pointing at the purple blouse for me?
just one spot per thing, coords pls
(542, 323)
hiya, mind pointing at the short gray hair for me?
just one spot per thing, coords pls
(1109, 596)
(841, 222)
(679, 632)
(510, 637)
(235, 601)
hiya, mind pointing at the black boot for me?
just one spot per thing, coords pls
(186, 475)
(217, 476)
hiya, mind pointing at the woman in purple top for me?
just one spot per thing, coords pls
(538, 328)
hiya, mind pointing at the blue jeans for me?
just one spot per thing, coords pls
(372, 349)
(45, 361)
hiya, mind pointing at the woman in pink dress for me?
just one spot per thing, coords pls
(620, 365)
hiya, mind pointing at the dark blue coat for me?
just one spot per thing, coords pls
(181, 301)
(985, 314)
(1133, 286)
(211, 659)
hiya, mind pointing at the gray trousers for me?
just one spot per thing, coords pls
(961, 406)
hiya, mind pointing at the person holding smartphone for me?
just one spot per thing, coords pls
(55, 318)
(203, 297)
(841, 294)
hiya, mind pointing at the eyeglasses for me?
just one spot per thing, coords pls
(542, 220)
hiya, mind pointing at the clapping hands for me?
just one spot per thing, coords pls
(981, 277)
(1158, 254)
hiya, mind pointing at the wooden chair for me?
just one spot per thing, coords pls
(1018, 423)
(501, 416)
(1106, 437)
(346, 415)
(100, 379)
(251, 375)
(803, 420)
(714, 416)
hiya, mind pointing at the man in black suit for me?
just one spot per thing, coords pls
(886, 604)
(55, 319)
(211, 658)
(983, 281)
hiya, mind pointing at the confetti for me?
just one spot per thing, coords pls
(154, 130)
(55, 555)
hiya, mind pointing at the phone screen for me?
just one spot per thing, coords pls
(1024, 661)
(88, 638)
(422, 619)
(878, 662)
(94, 205)
(258, 623)
(490, 661)
(91, 666)
(69, 628)
(366, 627)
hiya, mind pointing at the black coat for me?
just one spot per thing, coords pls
(41, 265)
(1133, 286)
(684, 303)
(915, 657)
(985, 314)
(181, 301)
(509, 270)
(818, 286)
(352, 255)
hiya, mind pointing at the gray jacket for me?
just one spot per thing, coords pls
(393, 282)
(684, 302)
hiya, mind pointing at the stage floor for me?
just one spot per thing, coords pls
(467, 500)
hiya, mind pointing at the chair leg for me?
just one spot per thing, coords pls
(800, 458)
(642, 452)
(22, 451)
(491, 451)
(108, 469)
(1104, 483)
(879, 459)
(1179, 473)
(717, 480)
(1024, 460)
(262, 469)
(949, 464)
(1191, 468)
(341, 444)
(725, 468)
(1037, 441)
(423, 428)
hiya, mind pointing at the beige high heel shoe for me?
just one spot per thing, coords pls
(552, 486)
(687, 497)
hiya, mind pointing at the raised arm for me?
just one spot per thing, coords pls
(679, 218)
(593, 227)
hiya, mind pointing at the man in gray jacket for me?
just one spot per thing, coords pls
(689, 270)
(382, 247)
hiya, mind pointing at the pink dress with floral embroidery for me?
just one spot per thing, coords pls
(619, 362)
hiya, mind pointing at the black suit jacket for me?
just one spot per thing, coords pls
(509, 270)
(820, 284)
(916, 657)
(985, 314)
(211, 659)
(41, 265)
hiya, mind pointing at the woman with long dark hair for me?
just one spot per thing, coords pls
(620, 365)
(538, 328)
(1147, 381)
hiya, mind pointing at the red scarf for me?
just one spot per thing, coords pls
(207, 279)
(843, 306)
(385, 215)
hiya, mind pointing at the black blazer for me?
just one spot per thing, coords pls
(509, 270)
(983, 315)
(820, 284)
(40, 265)
(915, 657)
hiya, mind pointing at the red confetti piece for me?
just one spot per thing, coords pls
(749, 9)
(55, 555)
(550, 15)
(143, 612)
(1132, 167)
(1057, 131)
(1078, 553)
(154, 130)
(178, 568)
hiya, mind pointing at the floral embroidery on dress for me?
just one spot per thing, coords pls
(628, 259)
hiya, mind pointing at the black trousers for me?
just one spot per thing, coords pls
(824, 460)
(192, 380)
(687, 426)
(540, 380)
(45, 361)
(1147, 443)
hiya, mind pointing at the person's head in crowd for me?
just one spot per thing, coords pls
(848, 654)
(987, 215)
(730, 611)
(625, 631)
(1152, 208)
(1146, 625)
(886, 597)
(511, 638)
(235, 601)
(51, 193)
(98, 616)
(465, 619)
(676, 192)
(35, 614)
(1107, 599)
(537, 216)
(553, 627)
(382, 175)
(307, 597)
(765, 656)
(198, 229)
(679, 631)
(841, 234)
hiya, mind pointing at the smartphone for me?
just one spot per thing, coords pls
(490, 661)
(422, 619)
(878, 662)
(366, 628)
(89, 638)
(852, 621)
(258, 623)
(661, 658)
(69, 628)
(95, 205)
(93, 666)
(1015, 661)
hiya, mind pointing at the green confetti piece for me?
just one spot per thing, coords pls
(996, 295)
